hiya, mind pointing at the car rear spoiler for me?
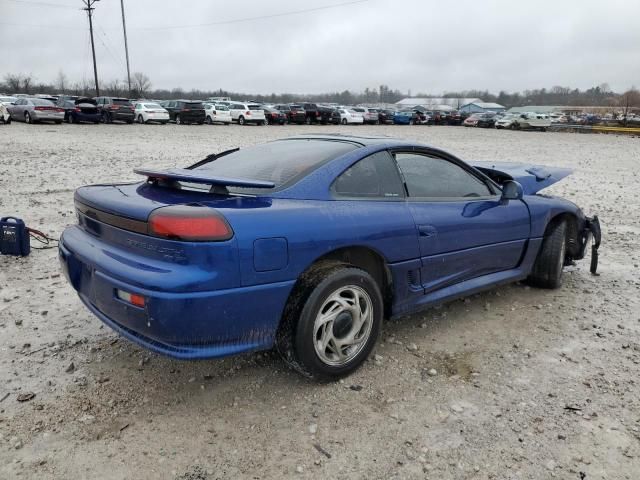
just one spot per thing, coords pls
(200, 176)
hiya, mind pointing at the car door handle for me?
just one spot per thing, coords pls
(427, 230)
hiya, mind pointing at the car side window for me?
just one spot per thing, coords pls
(374, 177)
(432, 177)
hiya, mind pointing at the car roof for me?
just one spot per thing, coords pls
(361, 140)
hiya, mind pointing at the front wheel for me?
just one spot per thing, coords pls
(547, 269)
(332, 321)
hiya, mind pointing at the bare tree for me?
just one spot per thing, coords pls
(13, 81)
(27, 80)
(115, 88)
(62, 82)
(629, 100)
(140, 85)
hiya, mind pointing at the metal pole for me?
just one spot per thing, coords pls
(89, 9)
(126, 47)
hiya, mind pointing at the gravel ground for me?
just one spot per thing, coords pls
(513, 383)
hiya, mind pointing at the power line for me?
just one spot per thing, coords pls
(250, 19)
(211, 24)
(44, 4)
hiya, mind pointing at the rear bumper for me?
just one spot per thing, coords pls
(180, 324)
(47, 116)
(86, 117)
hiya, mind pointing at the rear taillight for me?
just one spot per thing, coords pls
(189, 223)
(248, 112)
(41, 108)
(114, 107)
(75, 109)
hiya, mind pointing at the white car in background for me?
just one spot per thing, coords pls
(4, 114)
(146, 112)
(533, 121)
(244, 113)
(350, 116)
(217, 113)
(369, 115)
(6, 100)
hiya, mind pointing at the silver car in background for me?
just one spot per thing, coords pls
(32, 110)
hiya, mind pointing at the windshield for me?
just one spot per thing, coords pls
(279, 162)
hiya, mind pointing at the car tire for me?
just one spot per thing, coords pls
(141, 120)
(178, 121)
(241, 120)
(547, 269)
(27, 118)
(307, 120)
(344, 121)
(313, 344)
(209, 120)
(412, 122)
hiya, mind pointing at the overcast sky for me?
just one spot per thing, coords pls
(419, 45)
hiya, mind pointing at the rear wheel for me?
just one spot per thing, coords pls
(547, 270)
(241, 120)
(344, 121)
(140, 119)
(308, 120)
(209, 120)
(178, 121)
(332, 321)
(27, 118)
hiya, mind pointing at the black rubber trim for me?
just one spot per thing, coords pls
(113, 220)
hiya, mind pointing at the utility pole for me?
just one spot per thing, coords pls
(89, 9)
(126, 47)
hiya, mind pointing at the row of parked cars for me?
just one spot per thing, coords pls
(73, 109)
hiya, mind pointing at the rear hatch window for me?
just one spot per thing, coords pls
(193, 105)
(255, 107)
(281, 162)
(121, 101)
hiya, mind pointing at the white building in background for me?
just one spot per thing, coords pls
(443, 104)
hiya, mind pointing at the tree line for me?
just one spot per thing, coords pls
(141, 87)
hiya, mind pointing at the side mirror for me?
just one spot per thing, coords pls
(511, 190)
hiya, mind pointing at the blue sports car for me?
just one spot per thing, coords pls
(307, 243)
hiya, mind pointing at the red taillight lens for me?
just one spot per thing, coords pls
(40, 108)
(114, 107)
(188, 223)
(248, 113)
(75, 110)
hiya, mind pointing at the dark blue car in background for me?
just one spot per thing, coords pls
(307, 243)
(79, 109)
